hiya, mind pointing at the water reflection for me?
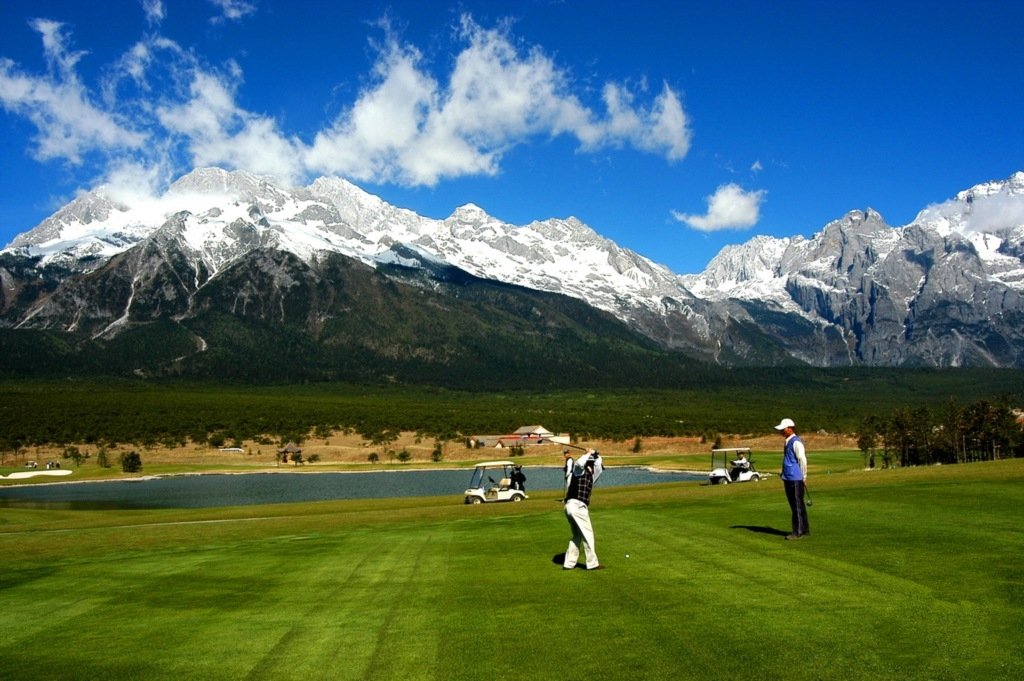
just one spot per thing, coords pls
(213, 490)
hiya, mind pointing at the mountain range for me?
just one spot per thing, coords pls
(229, 273)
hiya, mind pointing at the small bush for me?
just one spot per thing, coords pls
(131, 462)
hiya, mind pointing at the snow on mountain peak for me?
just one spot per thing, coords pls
(990, 216)
(992, 207)
(220, 215)
(469, 212)
(744, 270)
(88, 208)
(868, 218)
(239, 183)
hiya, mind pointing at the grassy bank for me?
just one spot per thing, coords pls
(911, 574)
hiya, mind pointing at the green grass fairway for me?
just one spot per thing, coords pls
(908, 574)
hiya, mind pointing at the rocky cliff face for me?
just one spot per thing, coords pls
(944, 290)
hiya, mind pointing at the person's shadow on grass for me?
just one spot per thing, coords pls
(761, 529)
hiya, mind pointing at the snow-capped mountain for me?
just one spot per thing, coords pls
(989, 216)
(221, 215)
(944, 290)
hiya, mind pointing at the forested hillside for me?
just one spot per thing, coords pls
(747, 402)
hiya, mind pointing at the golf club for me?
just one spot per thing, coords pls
(807, 496)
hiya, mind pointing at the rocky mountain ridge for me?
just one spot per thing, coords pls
(944, 290)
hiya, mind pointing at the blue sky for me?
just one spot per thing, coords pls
(673, 128)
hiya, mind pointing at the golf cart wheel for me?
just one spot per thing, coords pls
(517, 498)
(476, 500)
(756, 478)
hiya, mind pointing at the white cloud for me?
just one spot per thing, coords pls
(410, 129)
(218, 133)
(408, 125)
(757, 167)
(730, 207)
(132, 183)
(985, 212)
(154, 10)
(68, 124)
(999, 211)
(664, 128)
(233, 10)
(133, 66)
(369, 140)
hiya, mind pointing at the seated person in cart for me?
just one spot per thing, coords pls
(739, 465)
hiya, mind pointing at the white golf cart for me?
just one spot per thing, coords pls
(483, 488)
(732, 465)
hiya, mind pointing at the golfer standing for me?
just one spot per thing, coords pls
(567, 466)
(794, 477)
(585, 471)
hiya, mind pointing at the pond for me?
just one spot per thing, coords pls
(213, 490)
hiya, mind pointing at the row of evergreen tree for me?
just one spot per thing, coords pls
(981, 431)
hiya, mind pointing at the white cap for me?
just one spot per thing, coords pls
(785, 423)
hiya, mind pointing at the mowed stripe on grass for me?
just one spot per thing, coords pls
(907, 574)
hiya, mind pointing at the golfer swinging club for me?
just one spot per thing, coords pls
(579, 483)
(794, 477)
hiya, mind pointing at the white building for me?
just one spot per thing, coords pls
(524, 436)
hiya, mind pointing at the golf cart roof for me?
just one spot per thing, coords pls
(733, 449)
(493, 464)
